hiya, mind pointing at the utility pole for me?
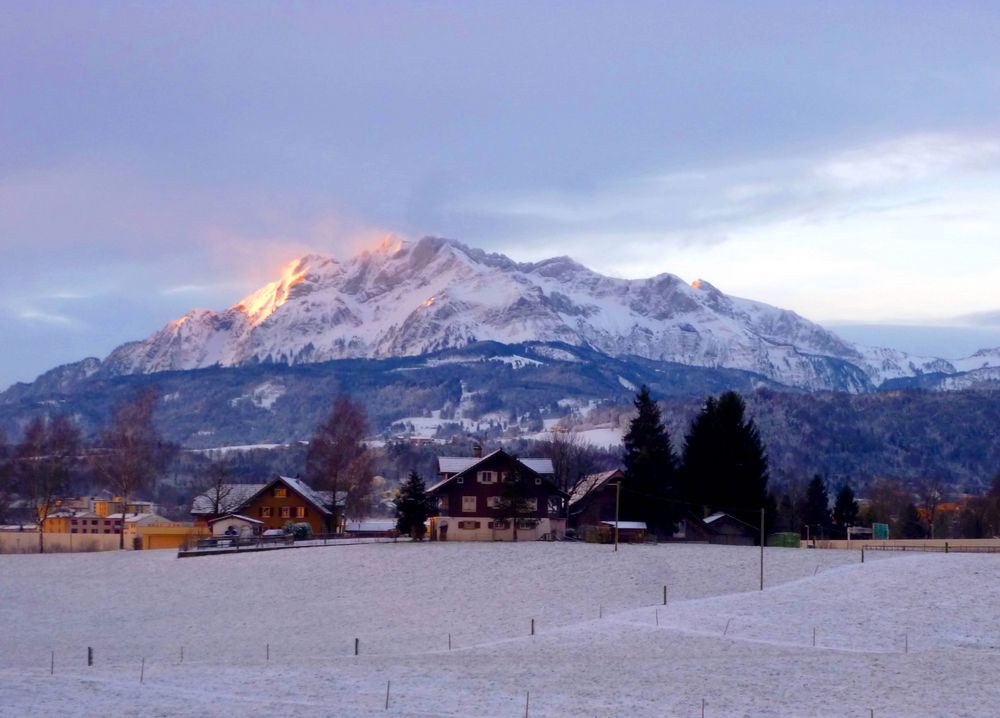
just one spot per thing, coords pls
(762, 549)
(618, 496)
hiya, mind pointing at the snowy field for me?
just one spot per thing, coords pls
(273, 633)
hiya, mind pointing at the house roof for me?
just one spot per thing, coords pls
(627, 524)
(471, 462)
(320, 498)
(458, 464)
(238, 494)
(723, 515)
(146, 518)
(241, 517)
(591, 482)
(241, 494)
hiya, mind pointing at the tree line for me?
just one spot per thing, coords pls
(125, 457)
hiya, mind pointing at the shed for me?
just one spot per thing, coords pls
(235, 525)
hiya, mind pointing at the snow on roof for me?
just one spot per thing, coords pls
(627, 524)
(139, 518)
(455, 464)
(239, 517)
(458, 464)
(714, 517)
(447, 464)
(590, 483)
(235, 496)
(320, 498)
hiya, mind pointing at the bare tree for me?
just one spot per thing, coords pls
(130, 452)
(43, 462)
(931, 494)
(338, 459)
(218, 491)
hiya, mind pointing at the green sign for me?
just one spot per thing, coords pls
(880, 532)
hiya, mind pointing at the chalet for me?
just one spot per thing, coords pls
(470, 504)
(274, 504)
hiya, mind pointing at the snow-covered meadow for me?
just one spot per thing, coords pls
(273, 633)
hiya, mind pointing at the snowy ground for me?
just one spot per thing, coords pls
(603, 644)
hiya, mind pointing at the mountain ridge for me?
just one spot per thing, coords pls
(412, 298)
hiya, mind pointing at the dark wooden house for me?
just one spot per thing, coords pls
(471, 505)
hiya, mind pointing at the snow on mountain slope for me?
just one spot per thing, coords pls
(412, 298)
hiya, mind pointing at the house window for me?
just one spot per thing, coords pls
(531, 504)
(469, 504)
(487, 477)
(443, 505)
(526, 524)
(73, 522)
(460, 480)
(286, 512)
(500, 525)
(107, 531)
(265, 512)
(72, 531)
(300, 512)
(492, 502)
(538, 480)
(469, 525)
(93, 522)
(280, 493)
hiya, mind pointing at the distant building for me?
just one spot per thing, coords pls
(470, 503)
(274, 504)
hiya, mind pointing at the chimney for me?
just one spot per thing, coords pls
(477, 451)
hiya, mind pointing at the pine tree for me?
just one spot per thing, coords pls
(650, 469)
(413, 507)
(816, 510)
(724, 465)
(845, 508)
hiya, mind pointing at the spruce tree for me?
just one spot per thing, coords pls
(413, 507)
(724, 465)
(845, 508)
(816, 511)
(650, 469)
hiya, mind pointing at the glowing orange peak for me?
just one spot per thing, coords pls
(266, 300)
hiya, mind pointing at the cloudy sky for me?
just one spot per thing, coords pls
(839, 159)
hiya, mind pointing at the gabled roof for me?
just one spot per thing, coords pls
(458, 464)
(238, 495)
(632, 525)
(320, 498)
(718, 515)
(473, 463)
(592, 482)
(242, 494)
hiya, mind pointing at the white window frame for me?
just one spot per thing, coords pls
(492, 502)
(466, 502)
(487, 477)
(531, 504)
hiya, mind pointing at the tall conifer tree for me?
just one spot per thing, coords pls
(650, 469)
(724, 463)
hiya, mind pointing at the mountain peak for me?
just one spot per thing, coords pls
(406, 298)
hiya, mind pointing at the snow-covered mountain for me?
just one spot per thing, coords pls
(412, 298)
